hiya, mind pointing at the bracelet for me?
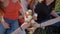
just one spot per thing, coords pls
(40, 25)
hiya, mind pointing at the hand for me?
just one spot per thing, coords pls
(36, 25)
(25, 25)
(5, 25)
(31, 30)
(42, 27)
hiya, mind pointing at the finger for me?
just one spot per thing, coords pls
(6, 27)
(25, 25)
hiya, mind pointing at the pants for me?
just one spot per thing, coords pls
(2, 30)
(13, 26)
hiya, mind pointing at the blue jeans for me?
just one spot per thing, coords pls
(13, 26)
(2, 30)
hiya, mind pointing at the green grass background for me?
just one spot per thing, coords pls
(57, 7)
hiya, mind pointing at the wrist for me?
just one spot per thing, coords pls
(21, 28)
(1, 21)
(43, 27)
(40, 25)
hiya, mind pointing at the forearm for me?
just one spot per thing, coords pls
(22, 12)
(24, 4)
(50, 22)
(1, 19)
(16, 31)
(21, 28)
(53, 13)
(25, 25)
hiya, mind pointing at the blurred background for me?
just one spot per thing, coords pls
(57, 7)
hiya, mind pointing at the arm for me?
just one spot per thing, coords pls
(53, 13)
(16, 31)
(24, 7)
(50, 22)
(23, 27)
(5, 25)
(47, 23)
(24, 4)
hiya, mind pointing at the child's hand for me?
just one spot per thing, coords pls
(6, 25)
(25, 25)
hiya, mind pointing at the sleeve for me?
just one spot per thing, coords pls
(24, 4)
